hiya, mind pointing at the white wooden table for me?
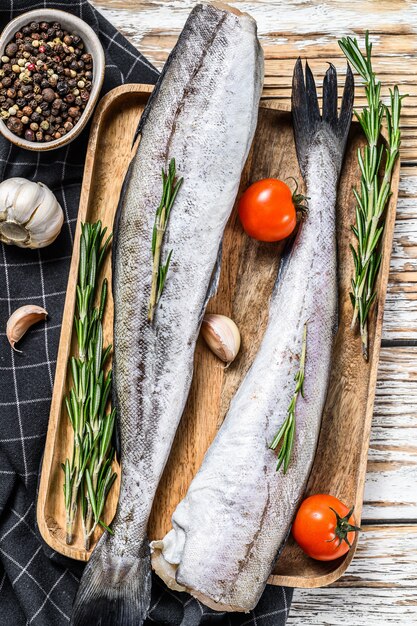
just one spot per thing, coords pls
(380, 587)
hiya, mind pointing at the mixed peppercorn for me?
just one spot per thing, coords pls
(45, 81)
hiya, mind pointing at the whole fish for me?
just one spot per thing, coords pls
(203, 113)
(236, 515)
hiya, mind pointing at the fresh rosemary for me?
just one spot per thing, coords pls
(375, 189)
(285, 435)
(170, 187)
(89, 475)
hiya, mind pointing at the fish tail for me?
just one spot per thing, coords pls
(307, 120)
(114, 589)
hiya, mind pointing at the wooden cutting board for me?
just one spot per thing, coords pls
(248, 273)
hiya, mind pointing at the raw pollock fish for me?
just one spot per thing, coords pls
(203, 113)
(236, 515)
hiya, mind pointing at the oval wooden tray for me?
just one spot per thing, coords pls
(248, 273)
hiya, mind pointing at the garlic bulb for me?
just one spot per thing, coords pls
(30, 215)
(22, 319)
(221, 335)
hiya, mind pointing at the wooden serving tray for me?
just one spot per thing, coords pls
(248, 274)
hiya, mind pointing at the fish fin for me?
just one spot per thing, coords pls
(307, 120)
(114, 589)
(214, 280)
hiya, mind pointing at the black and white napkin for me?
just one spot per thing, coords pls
(37, 586)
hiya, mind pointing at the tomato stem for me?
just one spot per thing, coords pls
(299, 201)
(343, 527)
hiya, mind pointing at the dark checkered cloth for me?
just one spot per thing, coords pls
(37, 586)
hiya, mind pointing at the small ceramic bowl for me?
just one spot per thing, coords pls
(75, 25)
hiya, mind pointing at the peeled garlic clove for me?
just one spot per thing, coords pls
(221, 335)
(21, 320)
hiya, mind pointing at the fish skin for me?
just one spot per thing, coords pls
(237, 513)
(203, 113)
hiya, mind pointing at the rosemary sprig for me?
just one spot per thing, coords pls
(170, 187)
(88, 476)
(285, 435)
(374, 192)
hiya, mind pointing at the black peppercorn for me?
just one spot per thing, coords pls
(73, 111)
(20, 102)
(48, 94)
(29, 135)
(35, 117)
(26, 30)
(62, 88)
(15, 125)
(70, 98)
(37, 78)
(11, 49)
(44, 25)
(6, 81)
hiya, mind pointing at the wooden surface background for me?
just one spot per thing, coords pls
(380, 586)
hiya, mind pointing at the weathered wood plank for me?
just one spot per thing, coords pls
(400, 320)
(383, 558)
(290, 29)
(378, 588)
(362, 607)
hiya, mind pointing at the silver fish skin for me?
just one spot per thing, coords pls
(236, 515)
(203, 113)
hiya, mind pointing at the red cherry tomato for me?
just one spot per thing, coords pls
(324, 527)
(267, 211)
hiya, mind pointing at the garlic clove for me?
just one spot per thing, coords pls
(221, 335)
(25, 202)
(19, 322)
(8, 189)
(46, 219)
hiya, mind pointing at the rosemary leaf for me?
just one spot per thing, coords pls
(170, 188)
(374, 192)
(90, 391)
(286, 433)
